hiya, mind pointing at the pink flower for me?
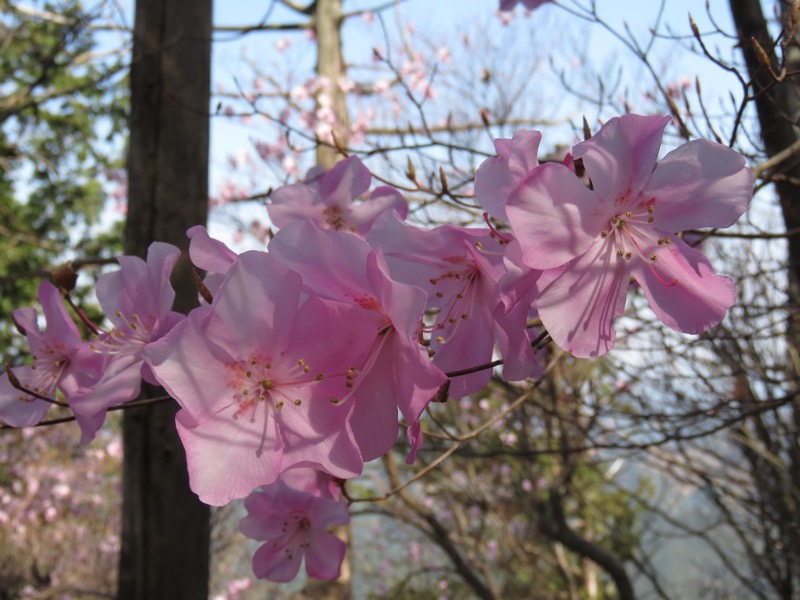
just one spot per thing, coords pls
(137, 299)
(593, 240)
(294, 525)
(397, 373)
(459, 269)
(328, 200)
(260, 377)
(60, 361)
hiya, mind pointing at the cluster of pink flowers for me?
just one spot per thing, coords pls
(293, 373)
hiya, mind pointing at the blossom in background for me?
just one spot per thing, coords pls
(327, 199)
(590, 242)
(508, 5)
(294, 524)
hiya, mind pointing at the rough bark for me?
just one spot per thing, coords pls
(165, 538)
(330, 64)
(776, 91)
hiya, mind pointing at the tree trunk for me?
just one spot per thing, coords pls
(165, 534)
(330, 64)
(777, 101)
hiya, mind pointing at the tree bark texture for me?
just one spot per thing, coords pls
(165, 537)
(331, 65)
(776, 91)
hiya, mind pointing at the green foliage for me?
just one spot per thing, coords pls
(59, 145)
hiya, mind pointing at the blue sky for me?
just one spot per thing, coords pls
(550, 32)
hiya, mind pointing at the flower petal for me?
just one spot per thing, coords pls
(577, 305)
(683, 289)
(700, 184)
(620, 157)
(554, 217)
(228, 458)
(324, 555)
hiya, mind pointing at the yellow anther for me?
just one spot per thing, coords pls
(279, 405)
(650, 219)
(319, 377)
(439, 339)
(653, 257)
(306, 369)
(479, 246)
(298, 402)
(651, 209)
(604, 234)
(628, 214)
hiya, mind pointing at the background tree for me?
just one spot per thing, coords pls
(165, 528)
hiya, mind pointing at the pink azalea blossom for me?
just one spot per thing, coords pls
(398, 373)
(459, 269)
(137, 299)
(61, 361)
(327, 199)
(261, 378)
(294, 524)
(590, 242)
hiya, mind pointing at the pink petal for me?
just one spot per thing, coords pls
(208, 253)
(324, 555)
(700, 184)
(290, 203)
(185, 365)
(256, 302)
(275, 564)
(496, 178)
(228, 458)
(16, 412)
(683, 289)
(120, 382)
(554, 217)
(61, 328)
(577, 305)
(383, 199)
(316, 434)
(345, 182)
(620, 157)
(524, 156)
(330, 262)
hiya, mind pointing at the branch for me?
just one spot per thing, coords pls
(553, 524)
